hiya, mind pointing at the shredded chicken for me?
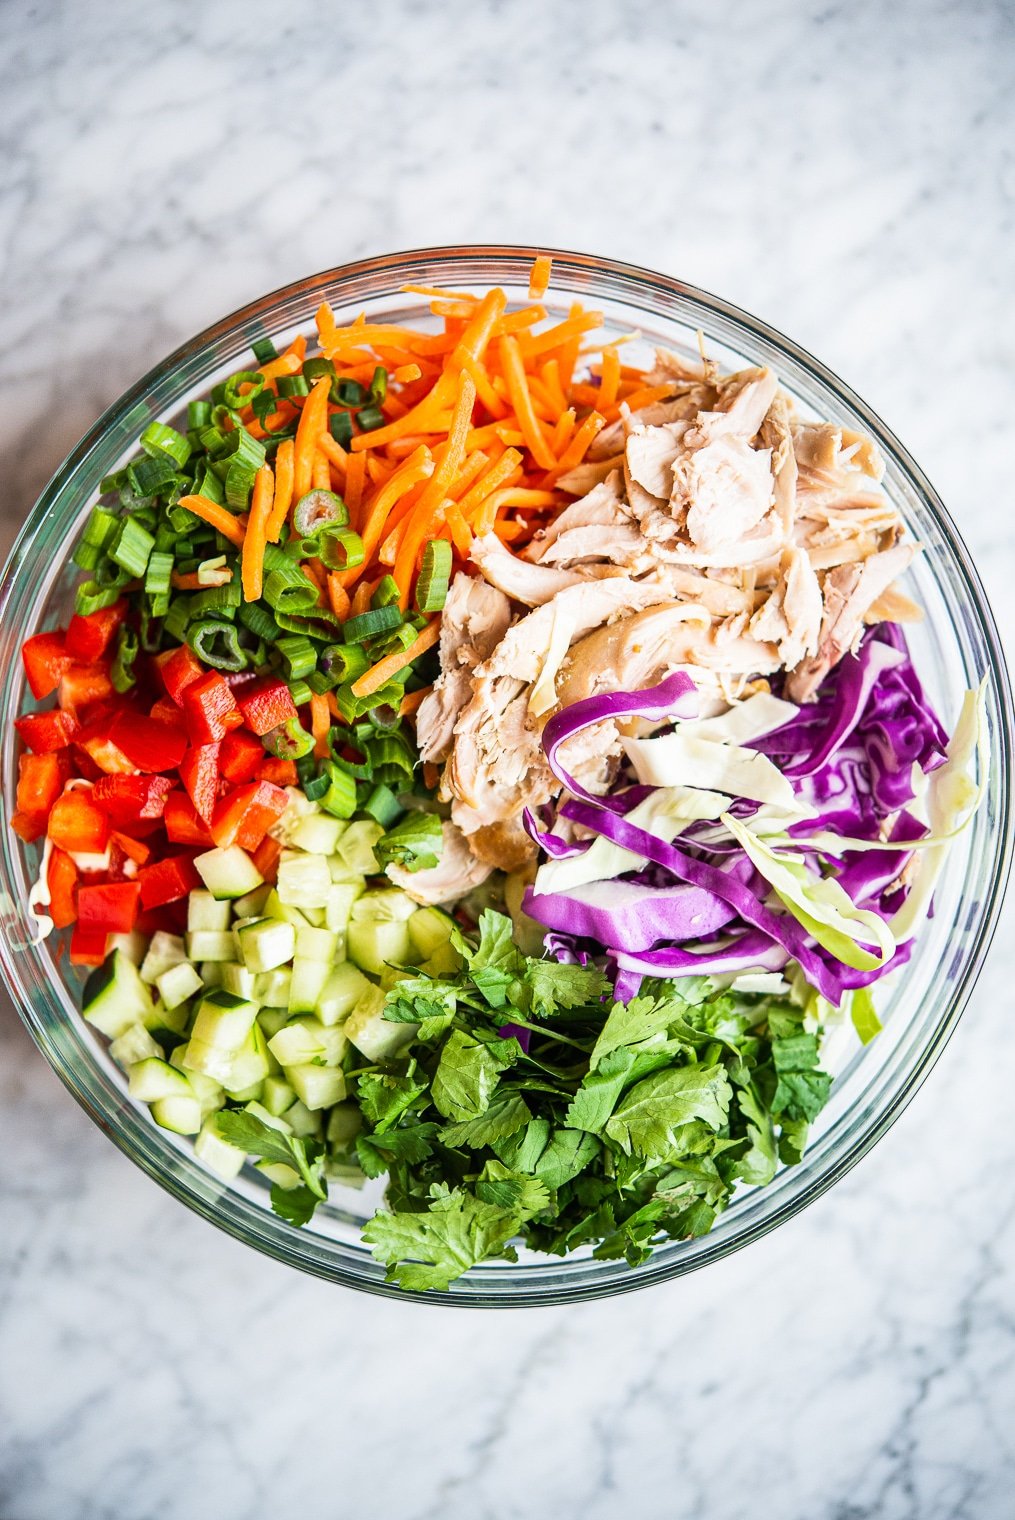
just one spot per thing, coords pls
(476, 617)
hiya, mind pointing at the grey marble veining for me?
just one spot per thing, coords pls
(848, 173)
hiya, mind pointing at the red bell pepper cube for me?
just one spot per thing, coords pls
(89, 636)
(40, 782)
(280, 772)
(77, 824)
(246, 814)
(149, 745)
(29, 826)
(178, 669)
(131, 849)
(128, 799)
(165, 710)
(62, 879)
(209, 709)
(95, 740)
(171, 918)
(87, 947)
(81, 685)
(167, 881)
(183, 826)
(43, 733)
(266, 857)
(45, 660)
(199, 772)
(265, 703)
(110, 908)
(240, 756)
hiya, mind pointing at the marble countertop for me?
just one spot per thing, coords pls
(848, 173)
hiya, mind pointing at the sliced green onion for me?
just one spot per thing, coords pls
(214, 572)
(369, 417)
(132, 546)
(352, 707)
(341, 428)
(367, 624)
(176, 619)
(379, 385)
(386, 593)
(239, 483)
(391, 758)
(207, 483)
(289, 741)
(235, 397)
(319, 624)
(264, 405)
(243, 448)
(435, 571)
(315, 787)
(292, 385)
(299, 656)
(318, 510)
(317, 369)
(151, 624)
(150, 475)
(218, 601)
(157, 438)
(91, 597)
(109, 574)
(288, 590)
(383, 806)
(350, 393)
(100, 529)
(399, 638)
(109, 484)
(340, 663)
(256, 617)
(217, 644)
(340, 548)
(198, 414)
(300, 693)
(264, 350)
(213, 440)
(340, 797)
(160, 568)
(121, 672)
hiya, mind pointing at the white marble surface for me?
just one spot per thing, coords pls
(847, 172)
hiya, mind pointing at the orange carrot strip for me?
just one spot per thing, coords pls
(610, 378)
(316, 575)
(419, 466)
(575, 451)
(550, 376)
(563, 431)
(378, 675)
(507, 532)
(474, 340)
(355, 477)
(519, 496)
(320, 723)
(556, 337)
(517, 381)
(440, 295)
(539, 277)
(284, 467)
(218, 517)
(474, 465)
(419, 418)
(313, 422)
(338, 596)
(377, 468)
(421, 521)
(519, 321)
(460, 310)
(646, 395)
(461, 533)
(388, 552)
(411, 701)
(332, 451)
(361, 598)
(405, 372)
(191, 580)
(252, 560)
(495, 476)
(485, 389)
(320, 475)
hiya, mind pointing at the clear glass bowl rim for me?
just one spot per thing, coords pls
(583, 275)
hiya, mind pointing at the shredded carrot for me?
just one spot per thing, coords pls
(517, 382)
(578, 323)
(338, 596)
(332, 451)
(440, 295)
(474, 465)
(646, 395)
(252, 560)
(361, 598)
(419, 466)
(610, 379)
(284, 469)
(378, 675)
(485, 389)
(421, 522)
(316, 575)
(220, 518)
(508, 532)
(320, 723)
(550, 376)
(410, 702)
(313, 422)
(563, 431)
(461, 533)
(403, 373)
(496, 475)
(575, 451)
(539, 277)
(355, 477)
(320, 477)
(518, 321)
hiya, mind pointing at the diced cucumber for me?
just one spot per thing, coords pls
(224, 1020)
(211, 1061)
(343, 875)
(211, 945)
(167, 1020)
(252, 905)
(338, 908)
(274, 907)
(391, 975)
(273, 1121)
(178, 984)
(315, 917)
(252, 1093)
(374, 943)
(430, 928)
(383, 905)
(272, 1019)
(273, 987)
(317, 1086)
(250, 1067)
(218, 1155)
(302, 1121)
(266, 943)
(304, 1040)
(280, 1173)
(277, 1095)
(340, 993)
(154, 1078)
(344, 1123)
(356, 846)
(239, 980)
(307, 983)
(206, 912)
(135, 1044)
(228, 872)
(303, 880)
(164, 952)
(317, 833)
(211, 971)
(115, 997)
(299, 807)
(371, 1033)
(132, 945)
(209, 1093)
(181, 1115)
(316, 945)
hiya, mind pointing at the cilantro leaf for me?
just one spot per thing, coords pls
(505, 1115)
(411, 1143)
(296, 1205)
(597, 1096)
(524, 1196)
(566, 1156)
(424, 1001)
(552, 986)
(651, 1116)
(633, 1023)
(496, 945)
(431, 1249)
(416, 843)
(467, 1074)
(802, 1088)
(305, 1156)
(758, 1163)
(385, 1098)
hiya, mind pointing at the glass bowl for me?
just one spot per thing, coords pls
(954, 647)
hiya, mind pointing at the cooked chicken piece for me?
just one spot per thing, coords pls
(849, 592)
(823, 448)
(618, 544)
(776, 434)
(681, 408)
(457, 872)
(741, 406)
(649, 457)
(588, 474)
(475, 619)
(519, 578)
(601, 507)
(670, 365)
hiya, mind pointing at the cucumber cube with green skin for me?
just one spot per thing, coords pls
(228, 872)
(273, 987)
(303, 880)
(133, 945)
(224, 1020)
(266, 943)
(375, 943)
(205, 912)
(252, 906)
(250, 1066)
(274, 907)
(338, 908)
(172, 1021)
(272, 1019)
(154, 1078)
(181, 1115)
(343, 875)
(277, 1095)
(218, 1155)
(211, 945)
(316, 945)
(356, 847)
(212, 1061)
(178, 984)
(279, 1174)
(317, 1086)
(209, 1093)
(135, 1044)
(317, 833)
(164, 952)
(115, 997)
(371, 1033)
(236, 978)
(211, 972)
(383, 905)
(303, 1040)
(302, 1121)
(307, 983)
(344, 1123)
(429, 928)
(340, 993)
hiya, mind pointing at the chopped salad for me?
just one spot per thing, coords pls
(485, 764)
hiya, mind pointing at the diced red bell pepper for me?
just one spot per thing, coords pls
(61, 878)
(110, 908)
(80, 685)
(132, 849)
(149, 745)
(281, 772)
(240, 756)
(40, 782)
(87, 947)
(199, 772)
(167, 881)
(77, 824)
(246, 814)
(45, 659)
(43, 733)
(178, 669)
(265, 703)
(266, 857)
(165, 710)
(171, 918)
(29, 826)
(128, 799)
(209, 709)
(90, 635)
(95, 739)
(183, 826)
